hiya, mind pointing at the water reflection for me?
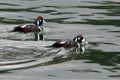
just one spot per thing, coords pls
(94, 18)
(102, 22)
(103, 58)
(13, 58)
(84, 70)
(8, 4)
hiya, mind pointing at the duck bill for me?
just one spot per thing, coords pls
(44, 21)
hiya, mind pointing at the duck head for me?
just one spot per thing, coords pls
(39, 21)
(79, 39)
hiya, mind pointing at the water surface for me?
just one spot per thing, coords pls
(23, 58)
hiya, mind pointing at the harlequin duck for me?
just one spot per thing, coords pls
(76, 42)
(39, 21)
(36, 27)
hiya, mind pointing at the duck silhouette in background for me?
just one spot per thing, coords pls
(37, 28)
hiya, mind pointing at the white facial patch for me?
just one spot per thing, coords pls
(37, 22)
(76, 39)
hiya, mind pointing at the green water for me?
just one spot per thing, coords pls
(23, 58)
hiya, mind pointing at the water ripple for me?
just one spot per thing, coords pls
(8, 4)
(98, 20)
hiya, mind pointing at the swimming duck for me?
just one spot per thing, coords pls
(76, 42)
(36, 27)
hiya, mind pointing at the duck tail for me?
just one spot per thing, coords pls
(17, 29)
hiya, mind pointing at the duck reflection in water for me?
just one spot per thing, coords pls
(80, 49)
(78, 43)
